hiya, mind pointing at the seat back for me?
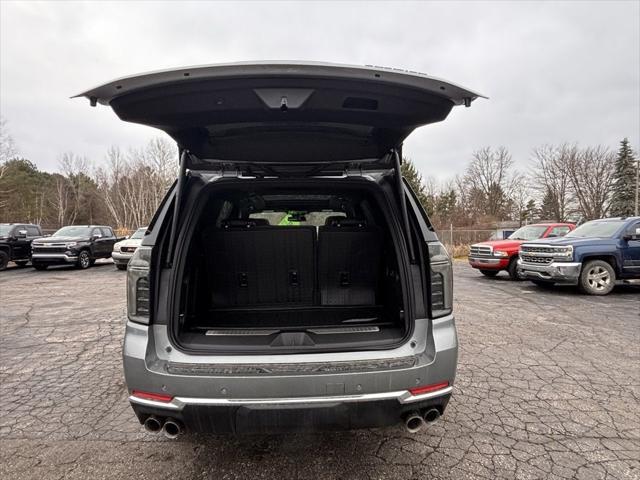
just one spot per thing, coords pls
(259, 265)
(349, 256)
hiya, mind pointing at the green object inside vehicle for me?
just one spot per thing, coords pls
(293, 218)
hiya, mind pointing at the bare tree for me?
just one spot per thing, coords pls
(7, 152)
(591, 174)
(7, 145)
(489, 181)
(522, 200)
(133, 185)
(59, 199)
(551, 178)
(76, 172)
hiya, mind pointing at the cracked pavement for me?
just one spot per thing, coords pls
(548, 386)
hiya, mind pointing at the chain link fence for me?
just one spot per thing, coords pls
(458, 241)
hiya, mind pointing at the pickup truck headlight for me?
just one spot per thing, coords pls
(564, 254)
(116, 247)
(500, 253)
(70, 244)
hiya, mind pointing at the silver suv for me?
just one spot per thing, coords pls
(290, 280)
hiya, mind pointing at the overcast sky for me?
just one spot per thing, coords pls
(554, 72)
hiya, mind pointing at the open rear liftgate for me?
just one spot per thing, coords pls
(343, 280)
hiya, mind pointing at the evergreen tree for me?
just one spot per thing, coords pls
(548, 207)
(413, 177)
(528, 214)
(624, 182)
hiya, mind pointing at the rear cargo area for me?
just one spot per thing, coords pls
(284, 270)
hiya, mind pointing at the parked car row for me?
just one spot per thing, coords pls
(594, 256)
(79, 245)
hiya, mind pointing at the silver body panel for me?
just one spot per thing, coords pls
(146, 362)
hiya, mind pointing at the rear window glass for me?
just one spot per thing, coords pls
(73, 231)
(297, 218)
(138, 233)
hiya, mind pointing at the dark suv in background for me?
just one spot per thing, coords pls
(290, 280)
(78, 245)
(15, 242)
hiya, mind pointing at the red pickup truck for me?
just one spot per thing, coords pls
(491, 257)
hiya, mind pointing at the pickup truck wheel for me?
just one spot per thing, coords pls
(512, 269)
(597, 277)
(84, 260)
(22, 263)
(489, 273)
(4, 260)
(40, 266)
(121, 267)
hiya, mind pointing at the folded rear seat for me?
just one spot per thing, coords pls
(349, 255)
(251, 263)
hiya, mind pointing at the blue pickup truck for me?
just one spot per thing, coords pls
(595, 256)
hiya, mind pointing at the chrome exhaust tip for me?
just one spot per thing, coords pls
(413, 422)
(172, 428)
(431, 415)
(152, 424)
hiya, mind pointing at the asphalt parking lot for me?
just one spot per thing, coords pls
(548, 387)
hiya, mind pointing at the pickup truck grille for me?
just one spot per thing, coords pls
(128, 249)
(49, 249)
(538, 260)
(480, 251)
(534, 249)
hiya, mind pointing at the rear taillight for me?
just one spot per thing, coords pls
(428, 388)
(138, 285)
(156, 397)
(441, 274)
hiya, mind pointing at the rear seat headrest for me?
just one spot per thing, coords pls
(345, 222)
(333, 219)
(245, 223)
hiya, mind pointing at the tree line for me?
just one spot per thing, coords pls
(123, 192)
(562, 183)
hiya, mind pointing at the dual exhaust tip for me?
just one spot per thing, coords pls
(414, 421)
(171, 428)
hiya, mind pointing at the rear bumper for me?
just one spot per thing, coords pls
(566, 273)
(53, 258)
(254, 416)
(222, 395)
(489, 263)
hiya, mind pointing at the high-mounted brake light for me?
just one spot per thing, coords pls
(428, 388)
(156, 397)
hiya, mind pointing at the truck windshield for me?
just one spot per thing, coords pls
(73, 231)
(530, 232)
(139, 233)
(597, 229)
